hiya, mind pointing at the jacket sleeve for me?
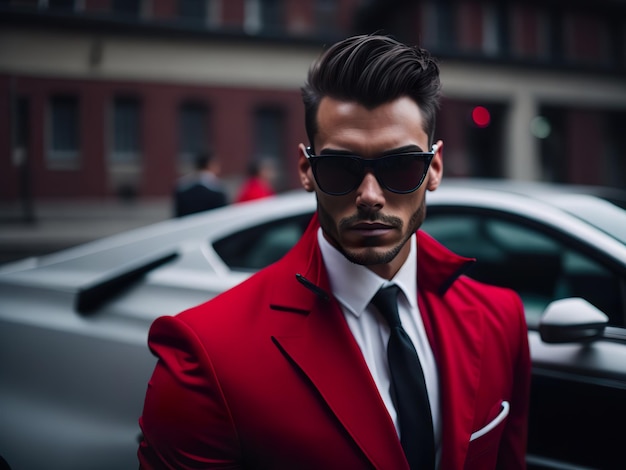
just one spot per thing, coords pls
(512, 453)
(185, 422)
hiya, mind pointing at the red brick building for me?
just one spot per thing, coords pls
(108, 98)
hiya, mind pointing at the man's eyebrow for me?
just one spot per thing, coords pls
(336, 152)
(403, 149)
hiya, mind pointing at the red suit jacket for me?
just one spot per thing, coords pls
(268, 375)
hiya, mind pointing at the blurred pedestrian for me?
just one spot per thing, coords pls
(259, 182)
(201, 190)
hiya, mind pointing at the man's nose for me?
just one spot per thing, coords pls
(369, 192)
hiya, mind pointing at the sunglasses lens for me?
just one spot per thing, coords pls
(338, 175)
(401, 173)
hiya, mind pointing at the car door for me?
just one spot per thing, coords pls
(578, 398)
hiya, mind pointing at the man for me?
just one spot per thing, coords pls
(201, 190)
(296, 367)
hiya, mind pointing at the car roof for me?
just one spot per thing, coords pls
(88, 269)
(604, 208)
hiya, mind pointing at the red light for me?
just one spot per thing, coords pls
(481, 116)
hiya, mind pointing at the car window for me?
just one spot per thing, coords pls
(540, 267)
(256, 247)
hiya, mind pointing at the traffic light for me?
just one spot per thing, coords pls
(481, 116)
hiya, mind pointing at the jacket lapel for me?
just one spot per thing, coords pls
(328, 355)
(457, 344)
(326, 352)
(455, 334)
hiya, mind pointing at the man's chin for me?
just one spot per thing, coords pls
(370, 256)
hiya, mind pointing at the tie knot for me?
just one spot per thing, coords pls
(386, 301)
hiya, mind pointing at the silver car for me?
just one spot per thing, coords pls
(74, 364)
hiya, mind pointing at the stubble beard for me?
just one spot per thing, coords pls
(370, 257)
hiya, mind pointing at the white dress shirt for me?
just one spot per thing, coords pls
(354, 286)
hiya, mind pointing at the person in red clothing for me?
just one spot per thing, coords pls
(259, 182)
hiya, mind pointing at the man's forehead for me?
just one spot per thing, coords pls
(341, 124)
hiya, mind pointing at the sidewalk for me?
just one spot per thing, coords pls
(59, 225)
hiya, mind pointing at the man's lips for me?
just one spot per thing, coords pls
(371, 228)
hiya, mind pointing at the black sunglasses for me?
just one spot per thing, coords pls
(338, 174)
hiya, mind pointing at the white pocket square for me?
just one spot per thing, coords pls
(497, 420)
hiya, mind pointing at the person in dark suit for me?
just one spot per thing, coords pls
(365, 346)
(201, 190)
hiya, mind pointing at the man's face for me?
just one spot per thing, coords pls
(371, 225)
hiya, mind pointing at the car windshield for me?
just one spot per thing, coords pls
(598, 212)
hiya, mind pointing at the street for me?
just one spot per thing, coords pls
(59, 225)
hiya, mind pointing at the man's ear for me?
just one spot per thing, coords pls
(435, 172)
(304, 170)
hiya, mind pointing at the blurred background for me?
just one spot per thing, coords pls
(104, 103)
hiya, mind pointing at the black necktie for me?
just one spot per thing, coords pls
(408, 388)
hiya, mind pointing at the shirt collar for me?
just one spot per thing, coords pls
(354, 285)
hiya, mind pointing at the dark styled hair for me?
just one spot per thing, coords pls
(373, 70)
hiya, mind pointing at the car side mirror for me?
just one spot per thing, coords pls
(570, 321)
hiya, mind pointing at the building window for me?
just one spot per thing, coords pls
(530, 31)
(447, 26)
(21, 127)
(214, 14)
(491, 40)
(193, 133)
(126, 131)
(616, 36)
(484, 138)
(264, 16)
(439, 25)
(68, 5)
(325, 16)
(126, 8)
(585, 39)
(193, 11)
(428, 25)
(269, 133)
(63, 151)
(553, 151)
(615, 167)
(470, 27)
(22, 3)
